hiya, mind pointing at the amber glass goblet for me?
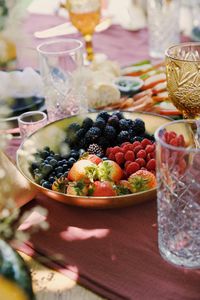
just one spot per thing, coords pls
(183, 78)
(85, 15)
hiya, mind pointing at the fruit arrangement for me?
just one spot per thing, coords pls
(108, 156)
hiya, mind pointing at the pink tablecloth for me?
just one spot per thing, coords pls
(112, 252)
(118, 44)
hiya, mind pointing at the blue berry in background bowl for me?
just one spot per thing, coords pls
(129, 85)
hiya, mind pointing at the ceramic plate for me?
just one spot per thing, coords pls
(53, 134)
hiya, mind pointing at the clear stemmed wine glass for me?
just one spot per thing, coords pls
(85, 15)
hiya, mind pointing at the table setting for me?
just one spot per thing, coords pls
(99, 151)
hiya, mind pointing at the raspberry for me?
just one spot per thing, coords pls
(173, 142)
(125, 143)
(136, 143)
(171, 135)
(127, 147)
(108, 151)
(181, 141)
(127, 163)
(129, 155)
(132, 168)
(145, 142)
(141, 154)
(116, 149)
(151, 165)
(150, 148)
(148, 157)
(138, 148)
(140, 161)
(111, 156)
(119, 157)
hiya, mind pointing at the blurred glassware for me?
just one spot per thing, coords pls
(31, 121)
(60, 66)
(178, 192)
(183, 79)
(163, 25)
(85, 15)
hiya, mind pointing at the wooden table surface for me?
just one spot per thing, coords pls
(51, 285)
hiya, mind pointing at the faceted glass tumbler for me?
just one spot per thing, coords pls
(178, 192)
(61, 69)
(163, 25)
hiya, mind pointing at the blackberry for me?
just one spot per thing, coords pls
(100, 123)
(73, 127)
(104, 115)
(83, 143)
(109, 133)
(80, 133)
(92, 134)
(114, 121)
(103, 142)
(138, 126)
(124, 124)
(95, 149)
(123, 136)
(87, 123)
(119, 114)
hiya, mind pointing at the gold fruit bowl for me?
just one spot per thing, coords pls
(53, 135)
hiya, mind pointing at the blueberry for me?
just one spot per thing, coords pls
(53, 162)
(74, 154)
(46, 169)
(46, 185)
(46, 161)
(35, 171)
(81, 152)
(48, 158)
(65, 167)
(47, 148)
(59, 175)
(42, 181)
(64, 161)
(57, 156)
(66, 174)
(60, 163)
(34, 165)
(51, 179)
(71, 161)
(59, 169)
(44, 154)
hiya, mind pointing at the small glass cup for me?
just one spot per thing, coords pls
(61, 64)
(163, 25)
(178, 192)
(31, 121)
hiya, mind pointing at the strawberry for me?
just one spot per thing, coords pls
(123, 187)
(77, 188)
(83, 169)
(132, 168)
(60, 185)
(109, 170)
(102, 189)
(142, 180)
(94, 158)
